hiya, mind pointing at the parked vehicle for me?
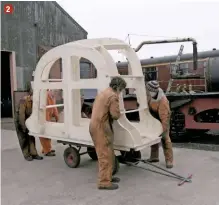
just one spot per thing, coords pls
(193, 91)
(193, 94)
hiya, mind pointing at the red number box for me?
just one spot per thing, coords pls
(8, 9)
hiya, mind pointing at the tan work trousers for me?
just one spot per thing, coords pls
(106, 157)
(27, 143)
(167, 149)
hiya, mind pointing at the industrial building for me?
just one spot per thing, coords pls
(27, 33)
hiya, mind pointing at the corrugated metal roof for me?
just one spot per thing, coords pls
(169, 59)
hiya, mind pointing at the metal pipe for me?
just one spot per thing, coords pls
(153, 165)
(195, 56)
(195, 52)
(183, 179)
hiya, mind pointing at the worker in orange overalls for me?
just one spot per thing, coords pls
(50, 114)
(160, 109)
(105, 111)
(83, 115)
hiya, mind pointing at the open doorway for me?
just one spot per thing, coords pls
(6, 97)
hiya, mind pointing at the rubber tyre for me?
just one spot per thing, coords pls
(116, 166)
(92, 153)
(72, 157)
(131, 156)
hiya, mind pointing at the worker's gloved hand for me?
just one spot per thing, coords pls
(163, 135)
(22, 128)
(26, 131)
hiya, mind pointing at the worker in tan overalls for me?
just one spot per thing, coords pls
(26, 141)
(50, 114)
(105, 110)
(160, 109)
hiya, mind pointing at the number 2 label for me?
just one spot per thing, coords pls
(8, 9)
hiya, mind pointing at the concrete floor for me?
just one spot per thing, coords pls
(51, 182)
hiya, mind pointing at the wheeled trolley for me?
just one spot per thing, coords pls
(72, 155)
(129, 138)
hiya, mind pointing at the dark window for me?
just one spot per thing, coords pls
(95, 73)
(150, 73)
(85, 70)
(182, 68)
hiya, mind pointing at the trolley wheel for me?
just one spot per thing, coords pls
(131, 156)
(115, 166)
(72, 157)
(92, 153)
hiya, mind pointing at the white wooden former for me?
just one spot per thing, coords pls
(74, 128)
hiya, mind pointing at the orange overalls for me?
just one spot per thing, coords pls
(50, 113)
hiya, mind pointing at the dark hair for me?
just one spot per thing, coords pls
(117, 83)
(29, 88)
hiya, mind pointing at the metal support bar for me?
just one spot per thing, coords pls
(153, 165)
(168, 173)
(83, 153)
(52, 80)
(127, 76)
(130, 111)
(183, 179)
(56, 105)
(79, 148)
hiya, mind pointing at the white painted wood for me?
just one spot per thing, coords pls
(72, 127)
(57, 105)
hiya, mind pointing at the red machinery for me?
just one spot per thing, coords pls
(196, 110)
(192, 88)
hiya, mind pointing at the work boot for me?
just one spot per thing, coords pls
(37, 157)
(50, 154)
(112, 187)
(169, 165)
(154, 154)
(168, 153)
(50, 151)
(153, 160)
(29, 158)
(115, 180)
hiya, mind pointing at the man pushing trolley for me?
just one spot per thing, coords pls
(160, 109)
(105, 111)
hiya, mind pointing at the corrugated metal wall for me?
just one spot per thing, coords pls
(32, 24)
